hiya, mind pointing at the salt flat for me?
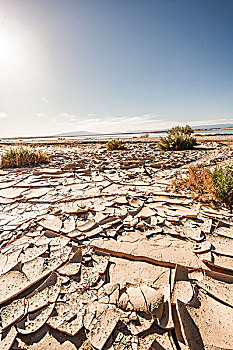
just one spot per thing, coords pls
(98, 251)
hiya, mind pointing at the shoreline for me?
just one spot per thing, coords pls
(59, 136)
(222, 138)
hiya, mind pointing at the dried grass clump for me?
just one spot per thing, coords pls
(115, 145)
(198, 181)
(178, 139)
(22, 157)
(214, 186)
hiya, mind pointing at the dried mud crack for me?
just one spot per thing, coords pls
(98, 252)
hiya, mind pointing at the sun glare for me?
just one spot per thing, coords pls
(13, 50)
(21, 56)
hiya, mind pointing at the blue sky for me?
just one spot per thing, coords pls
(114, 65)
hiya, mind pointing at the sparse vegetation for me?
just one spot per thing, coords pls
(115, 145)
(22, 157)
(222, 180)
(207, 185)
(179, 138)
(198, 181)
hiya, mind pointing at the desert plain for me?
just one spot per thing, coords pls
(97, 250)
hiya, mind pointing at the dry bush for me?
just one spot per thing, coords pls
(146, 136)
(115, 145)
(198, 181)
(208, 186)
(178, 139)
(22, 157)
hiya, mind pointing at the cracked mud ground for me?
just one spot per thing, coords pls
(97, 252)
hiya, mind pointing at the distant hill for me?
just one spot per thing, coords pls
(89, 133)
(78, 133)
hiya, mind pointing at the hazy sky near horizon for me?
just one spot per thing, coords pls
(114, 65)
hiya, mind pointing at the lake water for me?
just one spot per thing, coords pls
(116, 136)
(215, 132)
(162, 134)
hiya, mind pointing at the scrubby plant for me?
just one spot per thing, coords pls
(179, 138)
(197, 180)
(222, 180)
(214, 186)
(22, 157)
(115, 145)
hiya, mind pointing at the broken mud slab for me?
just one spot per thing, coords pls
(106, 257)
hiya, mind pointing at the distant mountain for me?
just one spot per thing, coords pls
(89, 133)
(78, 133)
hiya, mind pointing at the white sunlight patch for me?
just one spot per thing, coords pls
(3, 115)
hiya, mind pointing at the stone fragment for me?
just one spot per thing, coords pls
(202, 247)
(63, 312)
(37, 192)
(142, 299)
(88, 225)
(189, 330)
(46, 341)
(188, 213)
(137, 272)
(40, 267)
(73, 326)
(51, 222)
(100, 261)
(221, 290)
(121, 200)
(35, 269)
(7, 342)
(225, 232)
(46, 293)
(11, 284)
(90, 313)
(3, 261)
(32, 252)
(181, 288)
(213, 321)
(146, 212)
(165, 250)
(72, 267)
(35, 320)
(103, 328)
(9, 261)
(206, 226)
(13, 312)
(89, 276)
(11, 193)
(139, 323)
(68, 225)
(112, 290)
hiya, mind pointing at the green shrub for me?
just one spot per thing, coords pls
(179, 138)
(115, 145)
(22, 157)
(222, 180)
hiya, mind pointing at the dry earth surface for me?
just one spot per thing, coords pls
(97, 252)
